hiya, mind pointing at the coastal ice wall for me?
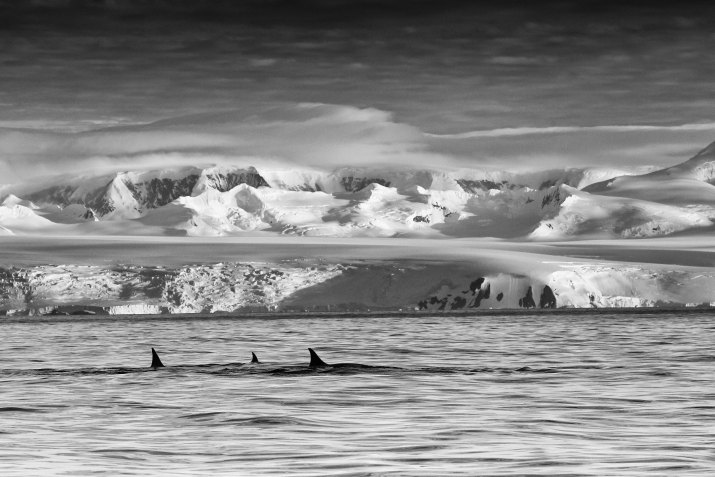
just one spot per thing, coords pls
(360, 286)
(579, 285)
(132, 289)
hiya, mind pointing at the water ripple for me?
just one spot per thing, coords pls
(503, 395)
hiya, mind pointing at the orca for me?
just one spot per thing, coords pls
(315, 361)
(155, 361)
(254, 359)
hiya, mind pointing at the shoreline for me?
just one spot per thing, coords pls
(278, 315)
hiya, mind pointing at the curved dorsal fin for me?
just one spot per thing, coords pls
(254, 359)
(155, 361)
(315, 361)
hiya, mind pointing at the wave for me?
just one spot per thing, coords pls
(291, 370)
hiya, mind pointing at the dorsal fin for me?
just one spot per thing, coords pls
(315, 361)
(155, 361)
(254, 359)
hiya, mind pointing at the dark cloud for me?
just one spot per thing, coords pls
(431, 62)
(440, 66)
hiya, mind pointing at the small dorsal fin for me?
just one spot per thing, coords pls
(315, 361)
(254, 359)
(155, 361)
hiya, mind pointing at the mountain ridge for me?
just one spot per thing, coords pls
(374, 201)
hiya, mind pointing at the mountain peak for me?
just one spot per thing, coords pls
(700, 167)
(708, 151)
(12, 199)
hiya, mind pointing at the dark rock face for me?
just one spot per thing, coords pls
(500, 296)
(482, 295)
(58, 195)
(476, 284)
(486, 292)
(445, 211)
(528, 300)
(355, 184)
(433, 300)
(149, 194)
(306, 188)
(63, 196)
(472, 186)
(225, 182)
(547, 300)
(98, 201)
(159, 192)
(551, 198)
(458, 303)
(548, 183)
(420, 218)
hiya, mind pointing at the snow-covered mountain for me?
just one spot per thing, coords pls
(370, 201)
(131, 194)
(581, 214)
(691, 183)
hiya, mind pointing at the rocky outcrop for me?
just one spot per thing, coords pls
(144, 191)
(547, 300)
(482, 294)
(527, 301)
(356, 184)
(476, 186)
(225, 180)
(551, 198)
(158, 192)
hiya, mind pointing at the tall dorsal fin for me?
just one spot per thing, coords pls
(254, 359)
(155, 361)
(315, 361)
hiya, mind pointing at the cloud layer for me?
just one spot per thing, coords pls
(332, 136)
(319, 135)
(445, 67)
(518, 85)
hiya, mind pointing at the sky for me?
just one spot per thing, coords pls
(93, 85)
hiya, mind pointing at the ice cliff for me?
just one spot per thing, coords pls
(359, 286)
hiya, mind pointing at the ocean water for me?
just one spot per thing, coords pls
(600, 395)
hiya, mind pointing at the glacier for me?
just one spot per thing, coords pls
(490, 278)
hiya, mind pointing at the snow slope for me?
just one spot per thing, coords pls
(19, 216)
(690, 183)
(586, 215)
(245, 208)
